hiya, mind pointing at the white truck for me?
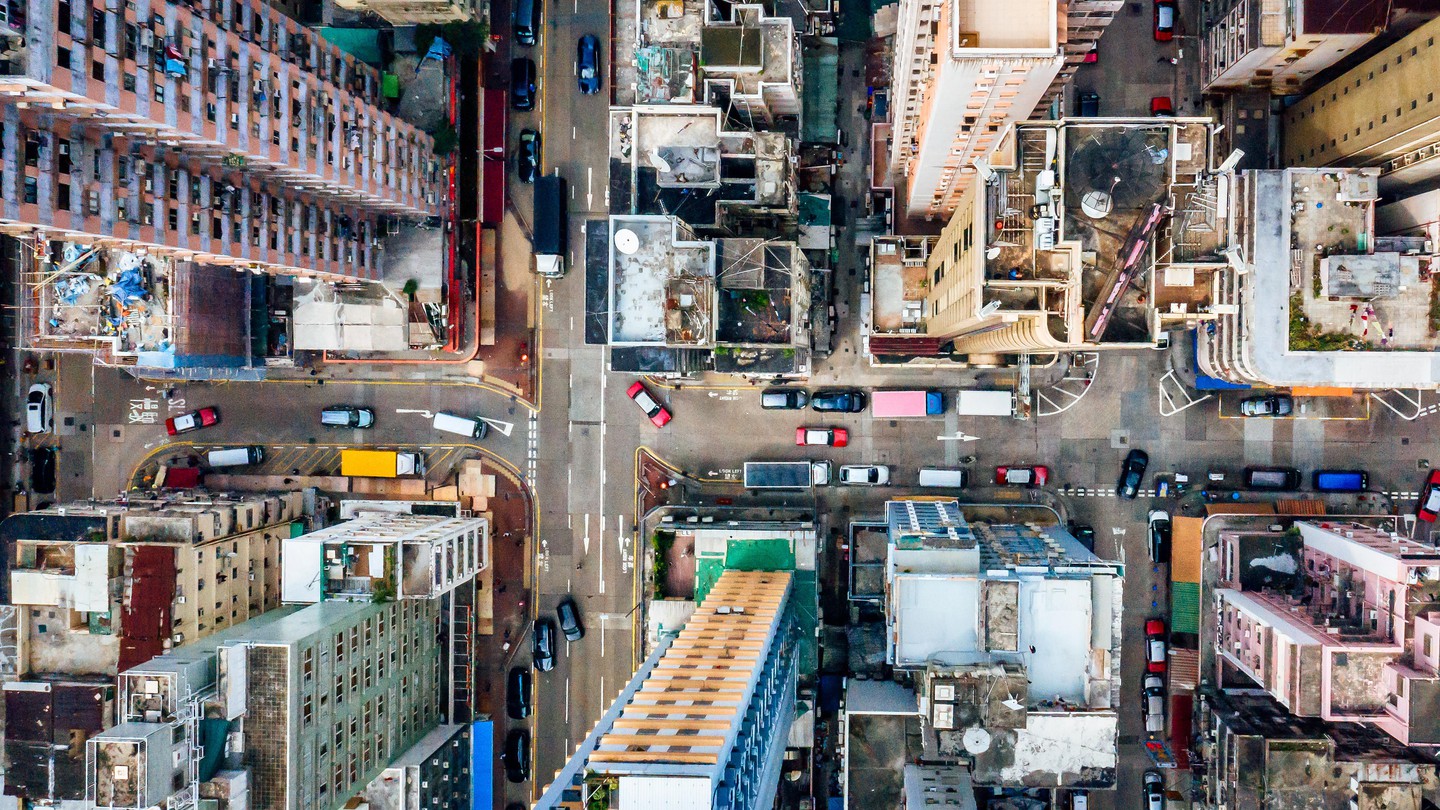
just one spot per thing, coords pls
(985, 403)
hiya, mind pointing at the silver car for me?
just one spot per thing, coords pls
(865, 475)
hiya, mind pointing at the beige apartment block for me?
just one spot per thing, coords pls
(1383, 113)
(963, 71)
(1280, 45)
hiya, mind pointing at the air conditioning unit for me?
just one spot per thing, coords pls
(179, 600)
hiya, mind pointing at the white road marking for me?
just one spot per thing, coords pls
(586, 541)
(426, 414)
(567, 688)
(504, 427)
(958, 437)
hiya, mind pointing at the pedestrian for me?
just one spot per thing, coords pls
(505, 647)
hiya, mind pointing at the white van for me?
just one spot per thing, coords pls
(461, 425)
(949, 479)
(236, 456)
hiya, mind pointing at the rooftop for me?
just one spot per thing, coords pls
(662, 283)
(1028, 25)
(900, 282)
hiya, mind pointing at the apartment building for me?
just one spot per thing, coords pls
(1310, 293)
(318, 699)
(412, 12)
(1382, 113)
(1347, 635)
(96, 588)
(707, 714)
(963, 70)
(1280, 46)
(1056, 250)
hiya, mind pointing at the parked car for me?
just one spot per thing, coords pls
(1159, 531)
(1429, 507)
(347, 416)
(569, 616)
(1085, 534)
(527, 156)
(1273, 478)
(1154, 791)
(824, 437)
(1091, 57)
(1155, 651)
(40, 409)
(1154, 706)
(843, 400)
(654, 410)
(517, 755)
(525, 21)
(517, 693)
(1267, 405)
(1162, 106)
(1132, 472)
(1087, 104)
(1164, 20)
(865, 475)
(522, 84)
(42, 470)
(194, 420)
(542, 645)
(1032, 476)
(587, 64)
(784, 399)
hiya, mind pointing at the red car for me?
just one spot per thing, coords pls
(1155, 652)
(1093, 55)
(1429, 507)
(186, 422)
(1161, 106)
(1164, 20)
(826, 437)
(647, 403)
(1035, 476)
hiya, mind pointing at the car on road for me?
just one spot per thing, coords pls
(525, 21)
(542, 645)
(1164, 20)
(1132, 472)
(522, 84)
(39, 409)
(1154, 706)
(517, 755)
(841, 400)
(1267, 405)
(1154, 791)
(1155, 652)
(347, 416)
(1085, 534)
(587, 64)
(1272, 478)
(865, 475)
(1087, 104)
(569, 616)
(1162, 106)
(1159, 533)
(527, 156)
(654, 410)
(517, 693)
(194, 420)
(1032, 476)
(1093, 55)
(1429, 507)
(824, 437)
(42, 470)
(784, 399)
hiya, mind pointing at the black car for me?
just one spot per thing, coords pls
(1132, 472)
(542, 645)
(1088, 105)
(1159, 526)
(1085, 534)
(843, 400)
(525, 21)
(527, 157)
(522, 84)
(42, 470)
(517, 693)
(569, 617)
(517, 755)
(587, 64)
(783, 399)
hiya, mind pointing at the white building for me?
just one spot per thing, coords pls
(402, 556)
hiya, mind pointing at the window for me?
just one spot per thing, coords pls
(97, 70)
(62, 196)
(62, 16)
(62, 57)
(32, 190)
(159, 92)
(128, 82)
(1426, 644)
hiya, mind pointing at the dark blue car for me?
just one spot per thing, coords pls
(587, 59)
(843, 400)
(527, 158)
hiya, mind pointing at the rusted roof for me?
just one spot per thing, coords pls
(1346, 16)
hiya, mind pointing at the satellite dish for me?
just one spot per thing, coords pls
(992, 253)
(976, 740)
(660, 163)
(1097, 204)
(626, 241)
(1231, 161)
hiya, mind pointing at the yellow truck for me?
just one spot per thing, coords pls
(381, 463)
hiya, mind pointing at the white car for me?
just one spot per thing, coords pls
(39, 409)
(865, 475)
(1154, 791)
(1154, 694)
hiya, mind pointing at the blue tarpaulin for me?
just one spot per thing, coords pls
(129, 286)
(482, 765)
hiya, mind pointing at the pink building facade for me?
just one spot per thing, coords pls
(1354, 635)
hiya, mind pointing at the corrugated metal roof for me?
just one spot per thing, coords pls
(145, 618)
(1305, 507)
(1184, 669)
(1185, 607)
